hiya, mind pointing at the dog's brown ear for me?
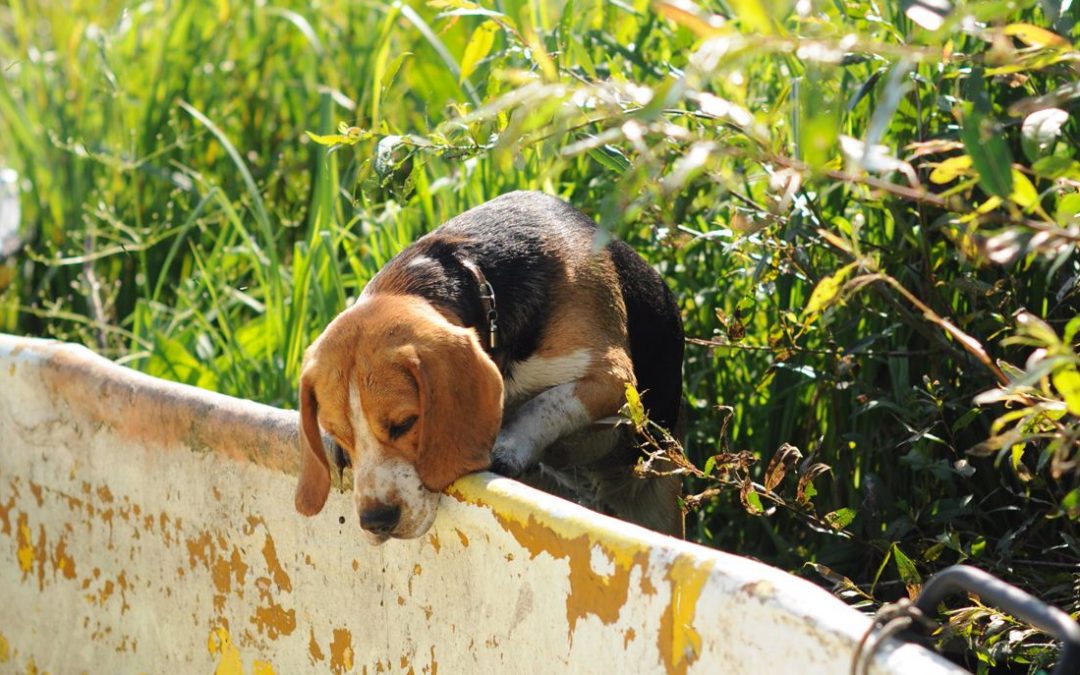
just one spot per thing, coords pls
(461, 394)
(314, 485)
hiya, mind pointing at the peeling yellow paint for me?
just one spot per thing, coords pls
(680, 643)
(591, 592)
(25, 552)
(262, 668)
(5, 650)
(219, 642)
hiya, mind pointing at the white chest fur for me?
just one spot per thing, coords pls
(539, 373)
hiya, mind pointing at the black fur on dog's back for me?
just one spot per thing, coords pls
(520, 241)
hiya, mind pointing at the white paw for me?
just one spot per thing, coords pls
(510, 458)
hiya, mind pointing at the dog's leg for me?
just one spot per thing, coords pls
(560, 411)
(537, 424)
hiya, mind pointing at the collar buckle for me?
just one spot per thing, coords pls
(487, 300)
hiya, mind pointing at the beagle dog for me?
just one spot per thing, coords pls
(504, 339)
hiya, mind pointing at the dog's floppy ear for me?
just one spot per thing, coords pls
(461, 394)
(314, 485)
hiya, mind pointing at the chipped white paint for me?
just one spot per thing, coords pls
(149, 527)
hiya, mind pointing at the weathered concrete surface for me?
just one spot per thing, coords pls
(149, 527)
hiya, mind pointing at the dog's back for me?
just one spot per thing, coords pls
(567, 313)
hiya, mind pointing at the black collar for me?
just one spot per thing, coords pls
(487, 301)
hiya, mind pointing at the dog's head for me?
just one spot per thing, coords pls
(411, 398)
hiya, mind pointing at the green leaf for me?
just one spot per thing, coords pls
(1035, 36)
(1056, 166)
(452, 4)
(750, 499)
(634, 408)
(754, 15)
(1071, 329)
(1067, 209)
(480, 44)
(990, 155)
(1067, 381)
(840, 518)
(1024, 193)
(1071, 504)
(335, 139)
(983, 139)
(909, 574)
(948, 170)
(827, 290)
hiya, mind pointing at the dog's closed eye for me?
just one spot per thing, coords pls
(399, 429)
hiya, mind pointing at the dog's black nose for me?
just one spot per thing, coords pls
(381, 519)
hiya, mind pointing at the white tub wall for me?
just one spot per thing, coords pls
(149, 527)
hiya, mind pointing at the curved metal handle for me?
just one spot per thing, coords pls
(1010, 599)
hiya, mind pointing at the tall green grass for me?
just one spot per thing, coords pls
(846, 304)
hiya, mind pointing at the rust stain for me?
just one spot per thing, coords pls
(679, 641)
(433, 667)
(433, 539)
(223, 572)
(416, 571)
(464, 539)
(104, 494)
(36, 490)
(252, 523)
(628, 637)
(605, 595)
(281, 578)
(5, 516)
(313, 649)
(647, 585)
(601, 595)
(341, 651)
(62, 562)
(200, 549)
(274, 620)
(157, 414)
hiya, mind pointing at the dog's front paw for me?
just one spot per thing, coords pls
(510, 459)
